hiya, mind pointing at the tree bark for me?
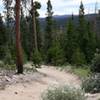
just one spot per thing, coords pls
(19, 58)
(34, 28)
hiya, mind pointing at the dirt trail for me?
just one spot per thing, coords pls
(32, 90)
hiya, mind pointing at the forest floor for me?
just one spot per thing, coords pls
(31, 86)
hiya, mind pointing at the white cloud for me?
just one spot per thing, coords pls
(66, 6)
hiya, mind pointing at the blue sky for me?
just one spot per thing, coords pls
(61, 7)
(1, 7)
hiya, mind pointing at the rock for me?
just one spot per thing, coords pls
(16, 92)
(7, 79)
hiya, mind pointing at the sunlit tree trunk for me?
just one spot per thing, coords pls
(19, 58)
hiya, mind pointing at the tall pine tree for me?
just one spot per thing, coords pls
(82, 32)
(70, 40)
(86, 38)
(49, 22)
(19, 56)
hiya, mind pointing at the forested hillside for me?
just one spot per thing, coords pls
(69, 42)
(55, 40)
(62, 20)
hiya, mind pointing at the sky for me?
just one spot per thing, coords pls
(62, 7)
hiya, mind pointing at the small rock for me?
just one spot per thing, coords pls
(7, 79)
(16, 92)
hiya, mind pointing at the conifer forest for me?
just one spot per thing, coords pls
(58, 50)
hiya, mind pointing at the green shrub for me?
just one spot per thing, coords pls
(10, 55)
(13, 52)
(96, 64)
(9, 62)
(25, 59)
(2, 64)
(8, 58)
(10, 67)
(2, 52)
(82, 72)
(37, 59)
(56, 54)
(92, 84)
(7, 66)
(63, 93)
(78, 58)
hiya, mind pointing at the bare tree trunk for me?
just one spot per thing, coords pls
(35, 31)
(34, 28)
(19, 57)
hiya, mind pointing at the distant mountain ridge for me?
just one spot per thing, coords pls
(62, 20)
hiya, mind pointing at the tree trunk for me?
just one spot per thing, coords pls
(19, 57)
(34, 28)
(35, 31)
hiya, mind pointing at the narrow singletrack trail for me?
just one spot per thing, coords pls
(33, 90)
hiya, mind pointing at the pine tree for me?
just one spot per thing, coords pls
(18, 39)
(82, 27)
(56, 54)
(87, 40)
(82, 30)
(24, 35)
(78, 58)
(3, 38)
(35, 23)
(49, 22)
(91, 44)
(81, 11)
(35, 53)
(8, 12)
(37, 6)
(70, 40)
(48, 31)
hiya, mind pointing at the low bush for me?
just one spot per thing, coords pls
(1, 64)
(7, 66)
(37, 59)
(10, 67)
(82, 72)
(78, 58)
(63, 93)
(96, 64)
(92, 84)
(8, 59)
